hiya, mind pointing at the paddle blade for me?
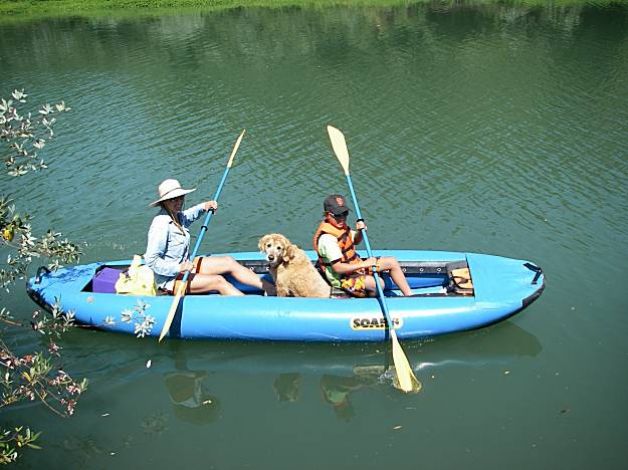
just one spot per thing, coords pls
(339, 144)
(235, 148)
(406, 380)
(172, 311)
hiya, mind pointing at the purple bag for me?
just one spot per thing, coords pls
(105, 280)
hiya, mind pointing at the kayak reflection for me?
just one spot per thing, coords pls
(193, 374)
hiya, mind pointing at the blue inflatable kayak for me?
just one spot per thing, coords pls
(495, 288)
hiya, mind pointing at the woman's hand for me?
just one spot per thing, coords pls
(360, 225)
(186, 266)
(211, 206)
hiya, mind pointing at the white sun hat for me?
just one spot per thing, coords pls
(169, 189)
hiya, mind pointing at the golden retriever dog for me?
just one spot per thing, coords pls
(291, 269)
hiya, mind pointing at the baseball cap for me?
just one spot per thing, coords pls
(335, 204)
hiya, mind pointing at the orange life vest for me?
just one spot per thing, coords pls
(345, 242)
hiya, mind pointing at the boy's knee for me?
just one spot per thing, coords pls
(388, 262)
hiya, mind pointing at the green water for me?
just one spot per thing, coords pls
(486, 128)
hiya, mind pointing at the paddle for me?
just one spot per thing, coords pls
(184, 281)
(406, 381)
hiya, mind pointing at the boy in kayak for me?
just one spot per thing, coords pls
(334, 242)
(168, 248)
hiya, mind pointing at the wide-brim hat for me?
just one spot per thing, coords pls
(170, 189)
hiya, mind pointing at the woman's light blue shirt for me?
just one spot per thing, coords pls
(167, 247)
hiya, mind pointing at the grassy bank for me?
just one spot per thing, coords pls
(88, 7)
(31, 9)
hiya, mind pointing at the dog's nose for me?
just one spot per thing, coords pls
(271, 257)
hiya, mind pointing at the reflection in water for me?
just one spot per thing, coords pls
(114, 358)
(505, 339)
(351, 379)
(499, 343)
(190, 397)
(336, 389)
(286, 386)
(189, 393)
(155, 424)
(82, 448)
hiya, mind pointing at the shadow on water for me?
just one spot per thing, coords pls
(192, 373)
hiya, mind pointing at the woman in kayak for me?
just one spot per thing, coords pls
(168, 248)
(334, 242)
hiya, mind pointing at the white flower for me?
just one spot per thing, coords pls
(45, 109)
(19, 95)
(144, 328)
(141, 306)
(126, 315)
(62, 107)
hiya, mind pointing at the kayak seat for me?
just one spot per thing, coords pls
(338, 293)
(460, 282)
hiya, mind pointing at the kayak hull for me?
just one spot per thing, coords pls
(502, 287)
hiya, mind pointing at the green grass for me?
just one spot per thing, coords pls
(27, 7)
(32, 9)
(12, 10)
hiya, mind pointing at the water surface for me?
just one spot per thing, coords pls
(492, 128)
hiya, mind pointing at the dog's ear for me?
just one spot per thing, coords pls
(262, 243)
(290, 252)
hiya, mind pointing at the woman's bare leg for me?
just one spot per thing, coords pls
(228, 265)
(203, 283)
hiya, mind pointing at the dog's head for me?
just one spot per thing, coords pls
(277, 248)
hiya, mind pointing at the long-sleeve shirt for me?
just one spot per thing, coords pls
(167, 247)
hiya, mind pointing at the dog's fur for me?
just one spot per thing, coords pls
(291, 269)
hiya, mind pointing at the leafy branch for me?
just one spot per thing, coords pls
(26, 134)
(13, 439)
(38, 375)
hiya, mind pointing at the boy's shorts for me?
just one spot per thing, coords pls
(355, 286)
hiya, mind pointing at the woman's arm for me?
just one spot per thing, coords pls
(194, 212)
(156, 248)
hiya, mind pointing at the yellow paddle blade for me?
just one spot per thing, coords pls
(173, 310)
(339, 144)
(406, 381)
(235, 148)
